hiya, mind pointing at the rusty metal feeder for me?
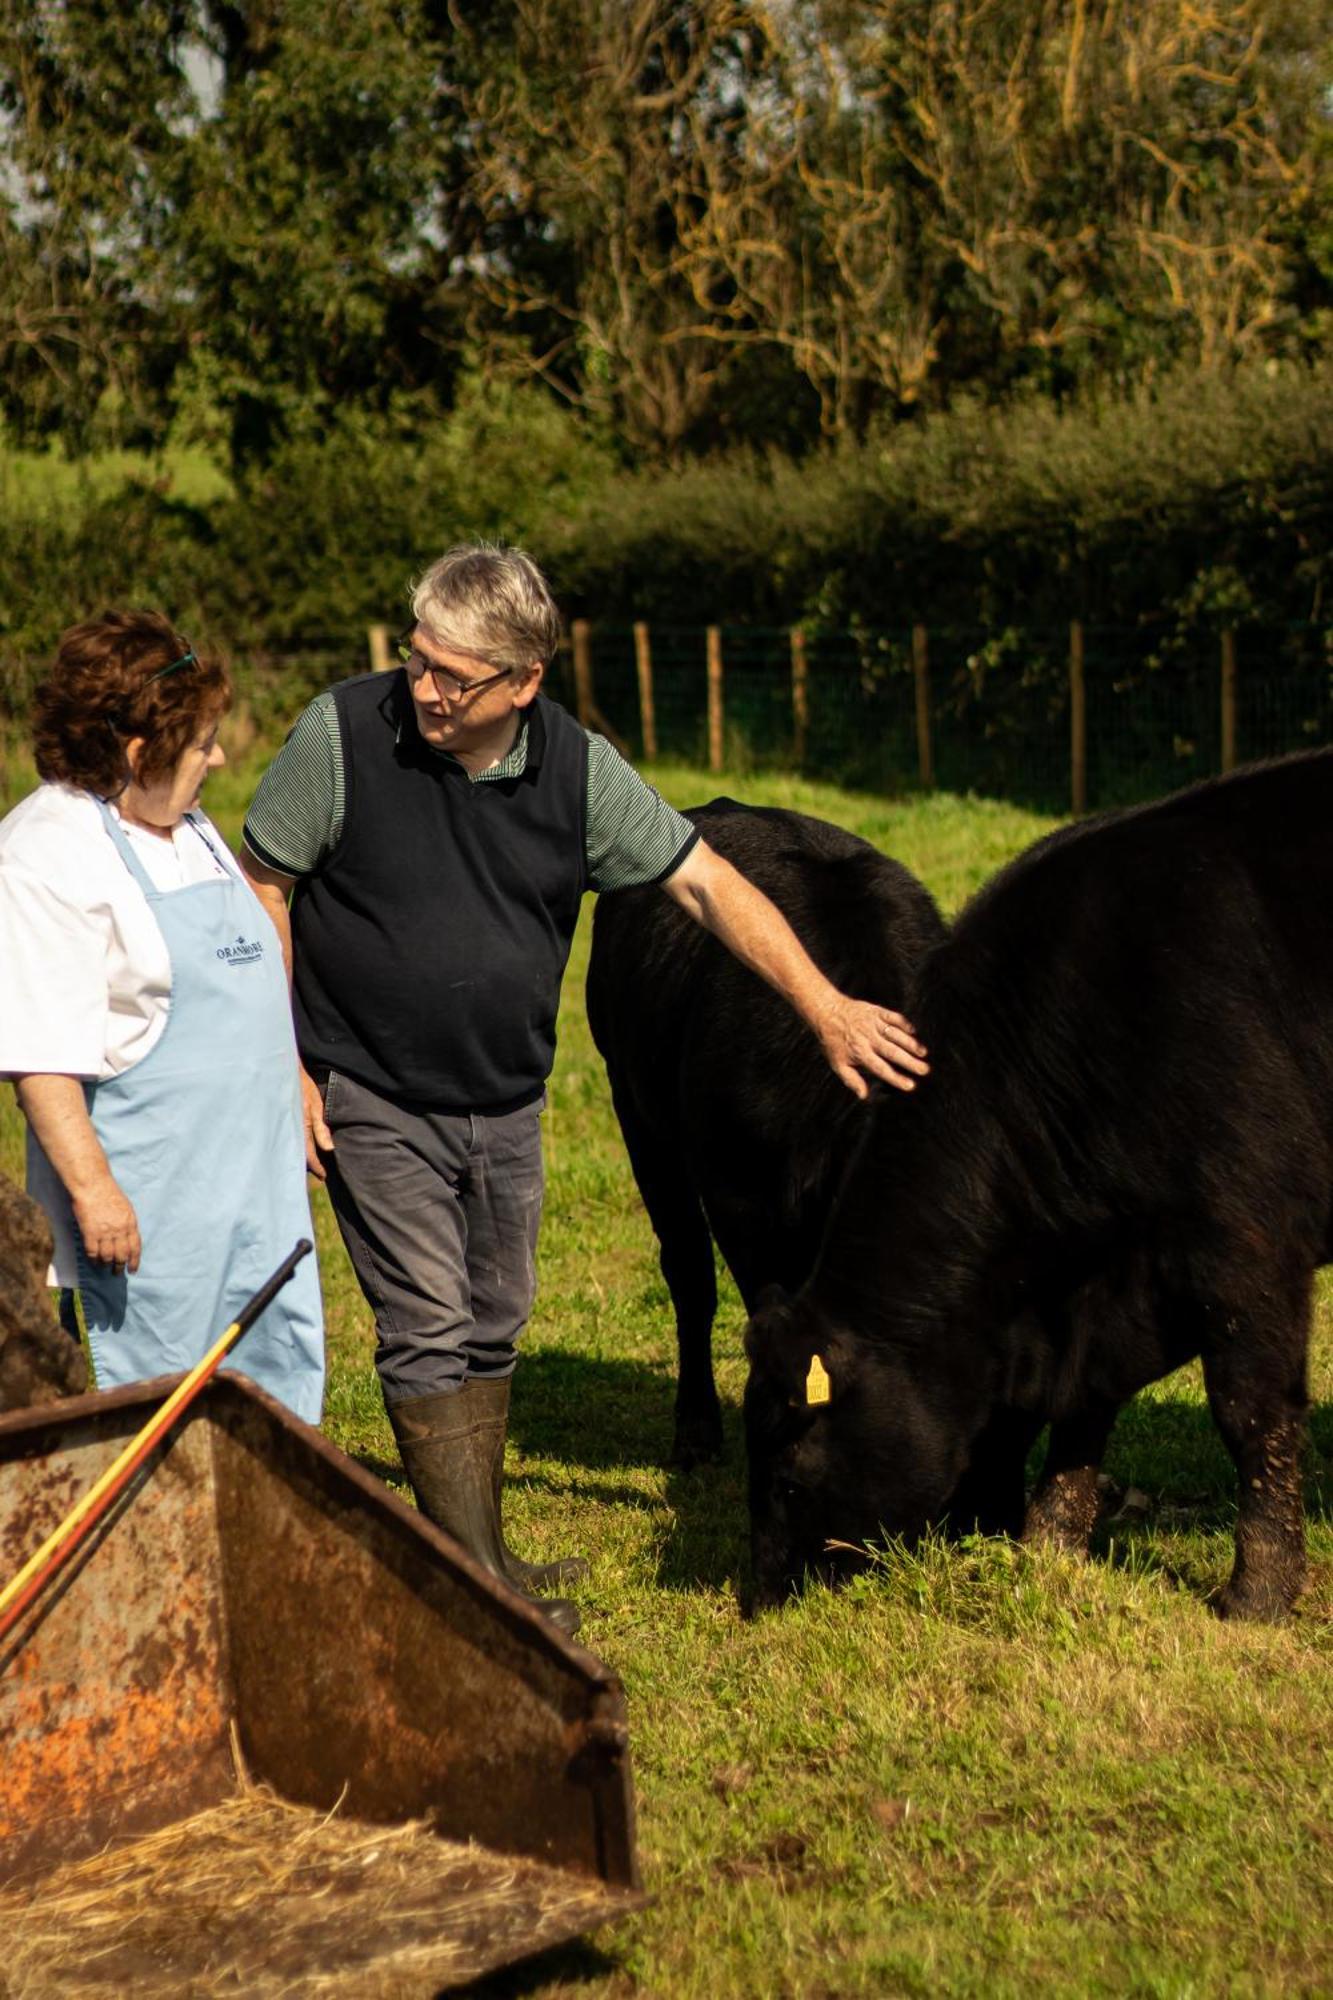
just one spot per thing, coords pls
(255, 1591)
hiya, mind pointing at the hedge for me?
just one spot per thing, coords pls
(1208, 501)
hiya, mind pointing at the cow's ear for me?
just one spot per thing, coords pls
(783, 1342)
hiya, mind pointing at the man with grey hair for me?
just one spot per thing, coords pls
(435, 830)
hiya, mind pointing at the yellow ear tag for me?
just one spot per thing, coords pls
(817, 1386)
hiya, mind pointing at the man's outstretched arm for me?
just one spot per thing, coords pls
(859, 1038)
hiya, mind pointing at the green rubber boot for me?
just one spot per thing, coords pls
(494, 1398)
(447, 1445)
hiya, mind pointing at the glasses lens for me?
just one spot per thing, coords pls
(446, 683)
(417, 664)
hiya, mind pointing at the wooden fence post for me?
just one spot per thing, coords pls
(715, 717)
(584, 704)
(643, 660)
(800, 694)
(1078, 722)
(1228, 700)
(921, 676)
(377, 639)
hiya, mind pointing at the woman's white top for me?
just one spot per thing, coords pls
(85, 980)
(85, 977)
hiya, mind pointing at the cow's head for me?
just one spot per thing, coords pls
(846, 1445)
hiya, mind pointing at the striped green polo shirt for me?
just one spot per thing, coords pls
(296, 815)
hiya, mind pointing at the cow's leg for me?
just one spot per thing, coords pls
(685, 1247)
(1063, 1510)
(991, 1496)
(1258, 1399)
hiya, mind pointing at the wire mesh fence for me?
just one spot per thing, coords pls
(964, 709)
(1055, 718)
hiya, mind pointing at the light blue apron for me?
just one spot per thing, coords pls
(205, 1138)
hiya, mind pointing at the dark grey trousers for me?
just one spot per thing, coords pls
(440, 1213)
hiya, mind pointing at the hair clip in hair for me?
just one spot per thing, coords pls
(183, 661)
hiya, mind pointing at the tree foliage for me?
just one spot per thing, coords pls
(225, 205)
(696, 222)
(1203, 500)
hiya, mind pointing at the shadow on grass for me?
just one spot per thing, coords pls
(708, 1546)
(1173, 1451)
(573, 1965)
(391, 1473)
(596, 1414)
(591, 1411)
(600, 1414)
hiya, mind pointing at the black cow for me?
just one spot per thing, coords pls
(733, 1120)
(1122, 1158)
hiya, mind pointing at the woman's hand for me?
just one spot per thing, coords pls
(108, 1225)
(55, 1108)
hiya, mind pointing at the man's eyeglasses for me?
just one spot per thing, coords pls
(448, 685)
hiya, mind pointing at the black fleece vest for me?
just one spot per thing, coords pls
(430, 945)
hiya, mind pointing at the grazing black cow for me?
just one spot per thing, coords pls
(733, 1120)
(1122, 1158)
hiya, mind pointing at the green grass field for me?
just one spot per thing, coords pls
(976, 1770)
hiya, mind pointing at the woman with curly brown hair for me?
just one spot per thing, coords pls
(144, 1020)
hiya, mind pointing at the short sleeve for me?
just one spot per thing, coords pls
(54, 997)
(634, 836)
(296, 814)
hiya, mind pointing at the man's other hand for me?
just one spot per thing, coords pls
(318, 1138)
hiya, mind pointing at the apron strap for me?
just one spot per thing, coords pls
(126, 851)
(191, 821)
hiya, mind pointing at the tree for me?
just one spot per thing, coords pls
(598, 129)
(291, 244)
(224, 194)
(89, 110)
(979, 190)
(691, 220)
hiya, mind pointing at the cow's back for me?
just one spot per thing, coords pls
(698, 1045)
(1178, 956)
(1132, 1024)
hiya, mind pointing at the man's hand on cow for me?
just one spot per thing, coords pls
(862, 1040)
(859, 1039)
(318, 1138)
(107, 1225)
